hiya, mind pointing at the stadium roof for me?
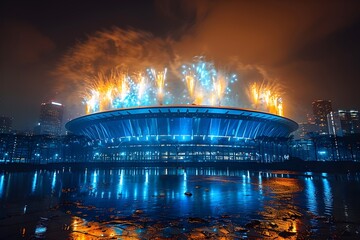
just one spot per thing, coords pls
(185, 120)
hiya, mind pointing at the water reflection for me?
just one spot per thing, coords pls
(150, 202)
(95, 178)
(1, 184)
(328, 197)
(311, 195)
(33, 188)
(53, 181)
(282, 215)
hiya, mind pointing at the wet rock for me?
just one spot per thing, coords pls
(189, 194)
(196, 220)
(273, 225)
(291, 228)
(172, 231)
(266, 233)
(91, 207)
(252, 224)
(206, 230)
(224, 231)
(197, 235)
(240, 229)
(175, 223)
(138, 211)
(287, 234)
(294, 215)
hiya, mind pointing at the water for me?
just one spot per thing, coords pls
(150, 202)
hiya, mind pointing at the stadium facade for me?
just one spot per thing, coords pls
(185, 133)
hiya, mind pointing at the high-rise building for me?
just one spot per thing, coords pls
(321, 108)
(344, 122)
(334, 124)
(355, 116)
(50, 120)
(5, 124)
(305, 129)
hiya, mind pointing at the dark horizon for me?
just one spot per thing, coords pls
(310, 48)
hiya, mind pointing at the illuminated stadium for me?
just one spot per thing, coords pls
(185, 133)
(141, 116)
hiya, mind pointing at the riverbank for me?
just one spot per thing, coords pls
(294, 165)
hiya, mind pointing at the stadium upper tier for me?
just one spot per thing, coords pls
(181, 123)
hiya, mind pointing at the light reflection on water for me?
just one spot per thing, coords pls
(1, 184)
(33, 188)
(283, 202)
(327, 196)
(311, 195)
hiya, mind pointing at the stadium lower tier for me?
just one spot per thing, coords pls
(248, 151)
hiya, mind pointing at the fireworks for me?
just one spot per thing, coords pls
(117, 68)
(119, 89)
(203, 85)
(265, 97)
(159, 78)
(201, 78)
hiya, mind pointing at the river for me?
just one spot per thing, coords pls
(178, 203)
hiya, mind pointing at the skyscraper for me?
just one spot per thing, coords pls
(321, 108)
(5, 124)
(50, 120)
(305, 128)
(343, 122)
(334, 124)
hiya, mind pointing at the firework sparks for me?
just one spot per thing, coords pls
(92, 101)
(141, 86)
(159, 78)
(108, 91)
(266, 97)
(120, 69)
(220, 87)
(119, 89)
(202, 77)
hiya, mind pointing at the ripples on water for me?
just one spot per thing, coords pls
(150, 202)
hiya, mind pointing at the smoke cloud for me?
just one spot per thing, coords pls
(259, 40)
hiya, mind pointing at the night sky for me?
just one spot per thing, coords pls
(311, 48)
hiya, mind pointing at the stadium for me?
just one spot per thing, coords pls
(171, 133)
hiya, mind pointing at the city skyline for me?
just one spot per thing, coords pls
(314, 55)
